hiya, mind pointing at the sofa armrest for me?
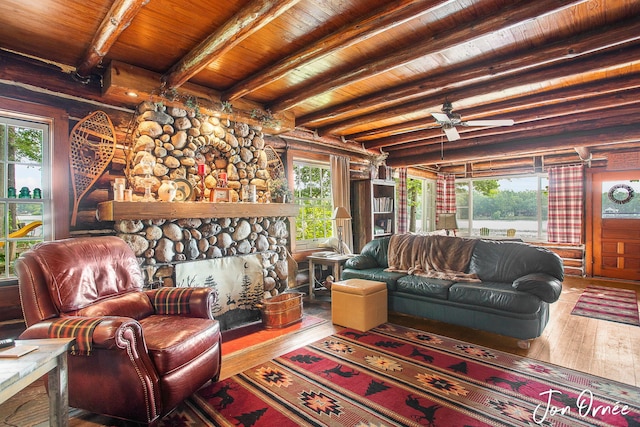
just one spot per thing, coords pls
(361, 262)
(103, 336)
(188, 302)
(542, 285)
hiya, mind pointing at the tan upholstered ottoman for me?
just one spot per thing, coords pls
(359, 304)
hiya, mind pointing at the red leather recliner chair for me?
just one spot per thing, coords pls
(143, 352)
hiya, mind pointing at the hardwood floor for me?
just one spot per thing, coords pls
(607, 349)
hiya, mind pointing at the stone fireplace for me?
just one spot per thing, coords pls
(172, 143)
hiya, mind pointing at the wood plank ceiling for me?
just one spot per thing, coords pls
(368, 73)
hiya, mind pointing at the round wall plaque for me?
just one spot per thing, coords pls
(620, 194)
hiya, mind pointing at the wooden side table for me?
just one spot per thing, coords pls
(335, 261)
(50, 358)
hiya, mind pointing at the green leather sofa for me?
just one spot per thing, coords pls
(518, 283)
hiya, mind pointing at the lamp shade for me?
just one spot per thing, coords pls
(447, 221)
(340, 213)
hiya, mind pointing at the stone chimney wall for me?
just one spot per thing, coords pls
(178, 139)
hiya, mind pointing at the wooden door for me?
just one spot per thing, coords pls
(616, 224)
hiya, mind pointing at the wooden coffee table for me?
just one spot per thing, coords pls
(50, 358)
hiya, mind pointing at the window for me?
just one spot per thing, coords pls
(312, 192)
(420, 204)
(619, 199)
(497, 205)
(24, 196)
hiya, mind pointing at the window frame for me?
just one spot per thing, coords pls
(314, 243)
(8, 243)
(58, 175)
(427, 203)
(468, 231)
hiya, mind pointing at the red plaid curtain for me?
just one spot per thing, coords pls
(445, 194)
(402, 201)
(566, 199)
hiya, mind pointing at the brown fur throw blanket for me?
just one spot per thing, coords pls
(441, 257)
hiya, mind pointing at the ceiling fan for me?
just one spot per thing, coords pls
(449, 120)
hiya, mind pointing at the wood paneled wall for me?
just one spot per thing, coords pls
(572, 257)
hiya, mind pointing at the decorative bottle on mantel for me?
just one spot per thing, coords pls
(167, 190)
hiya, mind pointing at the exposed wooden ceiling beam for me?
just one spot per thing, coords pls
(626, 59)
(46, 78)
(501, 163)
(247, 21)
(578, 122)
(398, 135)
(114, 23)
(307, 137)
(121, 79)
(526, 146)
(381, 20)
(511, 16)
(372, 135)
(467, 75)
(511, 171)
(531, 115)
(571, 70)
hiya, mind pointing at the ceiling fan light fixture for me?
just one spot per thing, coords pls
(448, 120)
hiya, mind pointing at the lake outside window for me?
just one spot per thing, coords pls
(503, 207)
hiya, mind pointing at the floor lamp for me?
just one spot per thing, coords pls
(447, 221)
(340, 213)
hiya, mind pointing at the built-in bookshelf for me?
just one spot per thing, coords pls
(373, 210)
(383, 204)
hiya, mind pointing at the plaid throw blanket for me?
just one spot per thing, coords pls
(170, 300)
(79, 328)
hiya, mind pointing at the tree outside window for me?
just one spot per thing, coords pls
(498, 205)
(22, 196)
(312, 192)
(420, 204)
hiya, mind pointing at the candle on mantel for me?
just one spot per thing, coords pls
(201, 172)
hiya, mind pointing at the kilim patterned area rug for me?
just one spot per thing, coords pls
(397, 376)
(616, 305)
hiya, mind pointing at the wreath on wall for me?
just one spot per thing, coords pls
(621, 194)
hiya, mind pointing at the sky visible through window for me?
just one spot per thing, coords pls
(518, 184)
(28, 176)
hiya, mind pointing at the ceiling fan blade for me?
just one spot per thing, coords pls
(441, 117)
(451, 132)
(507, 122)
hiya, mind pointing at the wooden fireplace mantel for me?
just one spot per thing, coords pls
(115, 211)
